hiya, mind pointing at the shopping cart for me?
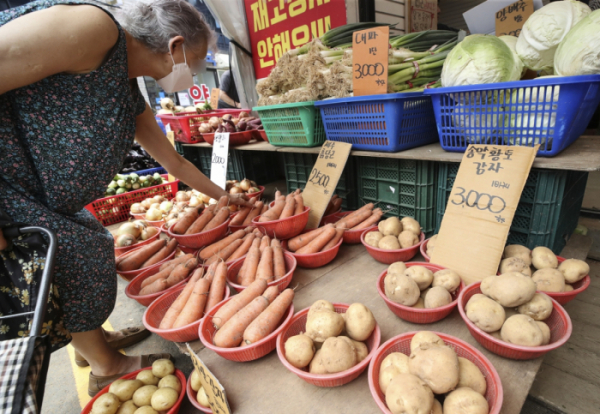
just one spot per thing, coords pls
(24, 361)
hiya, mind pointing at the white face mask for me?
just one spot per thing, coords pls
(180, 77)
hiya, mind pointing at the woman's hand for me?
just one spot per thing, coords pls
(240, 200)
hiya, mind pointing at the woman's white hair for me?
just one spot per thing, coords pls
(157, 22)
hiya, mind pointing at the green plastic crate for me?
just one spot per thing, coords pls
(299, 166)
(292, 125)
(548, 210)
(401, 187)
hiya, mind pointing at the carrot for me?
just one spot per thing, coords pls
(181, 271)
(239, 218)
(255, 243)
(194, 307)
(277, 194)
(290, 195)
(258, 233)
(209, 251)
(349, 222)
(369, 207)
(224, 314)
(337, 204)
(330, 205)
(274, 212)
(377, 214)
(265, 266)
(264, 242)
(256, 210)
(218, 219)
(319, 242)
(250, 265)
(176, 307)
(210, 273)
(161, 254)
(185, 221)
(302, 240)
(225, 253)
(289, 208)
(299, 204)
(181, 259)
(278, 261)
(339, 233)
(157, 286)
(135, 260)
(271, 293)
(231, 333)
(264, 209)
(243, 249)
(217, 287)
(210, 208)
(200, 223)
(163, 274)
(269, 319)
(223, 202)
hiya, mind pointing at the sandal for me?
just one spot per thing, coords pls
(131, 336)
(97, 383)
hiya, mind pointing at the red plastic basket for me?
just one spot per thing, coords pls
(133, 288)
(193, 397)
(185, 125)
(578, 287)
(233, 229)
(129, 275)
(559, 323)
(258, 194)
(157, 309)
(423, 249)
(187, 250)
(202, 239)
(115, 209)
(417, 315)
(139, 216)
(282, 283)
(350, 236)
(285, 228)
(243, 353)
(174, 410)
(298, 325)
(494, 393)
(314, 260)
(235, 138)
(122, 250)
(260, 134)
(392, 256)
(331, 218)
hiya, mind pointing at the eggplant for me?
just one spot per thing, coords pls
(242, 125)
(229, 126)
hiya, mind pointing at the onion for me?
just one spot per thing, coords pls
(172, 215)
(235, 120)
(253, 183)
(170, 223)
(154, 205)
(130, 228)
(206, 199)
(125, 240)
(167, 103)
(212, 201)
(195, 201)
(233, 207)
(166, 206)
(149, 232)
(244, 114)
(180, 205)
(204, 128)
(226, 117)
(235, 190)
(182, 196)
(178, 109)
(214, 122)
(245, 184)
(153, 214)
(190, 109)
(158, 199)
(142, 223)
(146, 203)
(137, 208)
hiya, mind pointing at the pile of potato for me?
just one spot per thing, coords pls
(151, 392)
(395, 234)
(411, 383)
(133, 232)
(419, 287)
(201, 397)
(431, 244)
(322, 348)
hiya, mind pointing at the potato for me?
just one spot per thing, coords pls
(170, 381)
(496, 335)
(446, 278)
(195, 380)
(508, 312)
(143, 395)
(437, 366)
(471, 376)
(574, 270)
(465, 401)
(515, 250)
(146, 410)
(521, 330)
(124, 391)
(431, 244)
(514, 264)
(408, 394)
(538, 308)
(106, 404)
(549, 280)
(389, 368)
(545, 332)
(319, 305)
(424, 337)
(543, 258)
(423, 294)
(360, 349)
(396, 268)
(316, 365)
(202, 398)
(162, 368)
(421, 275)
(568, 288)
(408, 239)
(437, 297)
(386, 375)
(509, 289)
(389, 243)
(147, 377)
(324, 324)
(391, 227)
(128, 407)
(337, 355)
(437, 407)
(410, 224)
(401, 289)
(372, 238)
(299, 350)
(487, 314)
(420, 303)
(164, 398)
(360, 322)
(115, 384)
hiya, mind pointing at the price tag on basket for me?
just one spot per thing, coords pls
(370, 61)
(510, 19)
(324, 178)
(214, 390)
(218, 164)
(481, 208)
(171, 138)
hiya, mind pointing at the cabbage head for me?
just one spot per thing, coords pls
(579, 52)
(511, 42)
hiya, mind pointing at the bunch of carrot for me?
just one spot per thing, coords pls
(264, 261)
(364, 217)
(335, 203)
(201, 219)
(169, 274)
(284, 207)
(246, 214)
(146, 255)
(232, 247)
(250, 316)
(200, 294)
(315, 241)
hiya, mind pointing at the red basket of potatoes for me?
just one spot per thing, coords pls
(395, 240)
(427, 247)
(150, 256)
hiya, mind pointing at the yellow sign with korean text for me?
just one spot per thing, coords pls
(213, 388)
(510, 20)
(370, 61)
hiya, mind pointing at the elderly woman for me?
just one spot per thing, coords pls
(70, 109)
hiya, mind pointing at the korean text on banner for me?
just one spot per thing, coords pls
(218, 165)
(370, 61)
(422, 15)
(213, 388)
(277, 26)
(481, 208)
(510, 19)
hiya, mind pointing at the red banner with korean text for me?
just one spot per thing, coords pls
(277, 26)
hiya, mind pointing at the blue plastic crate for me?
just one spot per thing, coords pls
(150, 171)
(390, 122)
(552, 112)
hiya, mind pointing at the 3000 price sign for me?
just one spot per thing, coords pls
(482, 201)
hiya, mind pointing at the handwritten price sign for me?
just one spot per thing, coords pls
(370, 61)
(214, 390)
(510, 20)
(218, 167)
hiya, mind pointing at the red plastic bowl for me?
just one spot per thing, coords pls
(578, 287)
(282, 283)
(285, 228)
(139, 216)
(559, 323)
(314, 260)
(122, 250)
(130, 274)
(298, 325)
(175, 409)
(189, 250)
(392, 256)
(234, 228)
(235, 138)
(201, 239)
(156, 223)
(193, 397)
(133, 288)
(350, 236)
(258, 194)
(494, 393)
(243, 353)
(418, 315)
(424, 250)
(157, 309)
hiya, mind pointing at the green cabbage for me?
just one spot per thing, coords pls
(579, 52)
(477, 125)
(511, 42)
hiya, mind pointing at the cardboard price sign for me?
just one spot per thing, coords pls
(510, 20)
(214, 98)
(324, 178)
(370, 61)
(422, 15)
(214, 390)
(218, 165)
(481, 208)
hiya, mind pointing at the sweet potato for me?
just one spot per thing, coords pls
(269, 319)
(135, 260)
(237, 302)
